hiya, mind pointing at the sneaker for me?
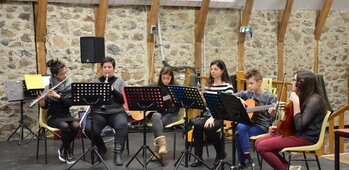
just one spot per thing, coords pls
(61, 155)
(249, 165)
(295, 167)
(70, 157)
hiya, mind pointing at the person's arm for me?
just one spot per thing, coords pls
(117, 90)
(304, 118)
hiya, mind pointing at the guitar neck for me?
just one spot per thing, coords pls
(258, 108)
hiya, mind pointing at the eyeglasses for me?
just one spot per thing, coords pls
(294, 79)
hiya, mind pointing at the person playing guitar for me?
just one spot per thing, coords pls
(262, 121)
(308, 112)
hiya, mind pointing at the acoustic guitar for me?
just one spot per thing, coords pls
(253, 109)
(138, 115)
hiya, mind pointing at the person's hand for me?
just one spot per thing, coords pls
(53, 93)
(41, 101)
(272, 110)
(209, 122)
(243, 102)
(272, 129)
(294, 98)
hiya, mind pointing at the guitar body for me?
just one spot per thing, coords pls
(250, 104)
(286, 126)
(138, 115)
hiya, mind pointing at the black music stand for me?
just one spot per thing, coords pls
(186, 97)
(143, 99)
(91, 94)
(217, 110)
(17, 91)
(235, 112)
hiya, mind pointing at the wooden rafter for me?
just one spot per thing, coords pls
(100, 21)
(41, 36)
(244, 21)
(284, 15)
(152, 20)
(200, 22)
(322, 18)
(318, 30)
(284, 21)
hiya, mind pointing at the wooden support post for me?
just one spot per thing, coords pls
(316, 56)
(151, 21)
(240, 77)
(100, 21)
(241, 36)
(200, 22)
(41, 36)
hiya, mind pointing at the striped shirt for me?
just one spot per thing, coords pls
(225, 87)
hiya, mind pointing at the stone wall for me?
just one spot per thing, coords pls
(125, 39)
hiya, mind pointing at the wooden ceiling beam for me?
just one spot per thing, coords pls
(318, 30)
(244, 21)
(284, 22)
(200, 23)
(201, 20)
(41, 36)
(152, 20)
(100, 21)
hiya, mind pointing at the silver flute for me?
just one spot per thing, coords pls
(43, 95)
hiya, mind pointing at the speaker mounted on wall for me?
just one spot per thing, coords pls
(92, 49)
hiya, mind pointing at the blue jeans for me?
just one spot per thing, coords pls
(243, 139)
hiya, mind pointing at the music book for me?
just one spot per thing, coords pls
(34, 81)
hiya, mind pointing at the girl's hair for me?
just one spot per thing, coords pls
(225, 75)
(55, 65)
(166, 70)
(108, 59)
(307, 86)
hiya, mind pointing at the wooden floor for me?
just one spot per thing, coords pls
(14, 156)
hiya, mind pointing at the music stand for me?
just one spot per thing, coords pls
(143, 99)
(91, 94)
(17, 91)
(217, 110)
(186, 97)
(235, 112)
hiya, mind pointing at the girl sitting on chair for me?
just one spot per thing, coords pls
(58, 102)
(309, 111)
(164, 116)
(218, 82)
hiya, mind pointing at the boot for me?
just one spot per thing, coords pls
(118, 154)
(161, 141)
(156, 151)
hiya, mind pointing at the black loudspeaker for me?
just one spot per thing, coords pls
(92, 49)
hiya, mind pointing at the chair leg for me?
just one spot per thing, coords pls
(317, 161)
(207, 149)
(174, 143)
(306, 161)
(128, 144)
(83, 146)
(37, 143)
(289, 159)
(45, 139)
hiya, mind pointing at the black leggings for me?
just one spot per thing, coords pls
(212, 135)
(68, 128)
